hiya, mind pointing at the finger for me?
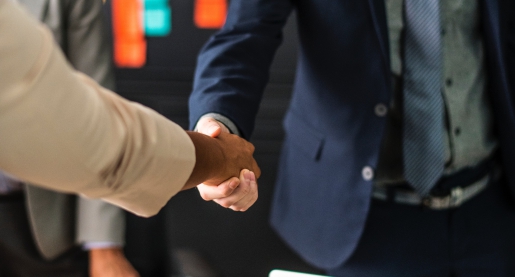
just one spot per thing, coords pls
(239, 193)
(223, 190)
(243, 190)
(246, 202)
(209, 126)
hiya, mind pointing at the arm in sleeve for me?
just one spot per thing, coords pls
(90, 141)
(233, 67)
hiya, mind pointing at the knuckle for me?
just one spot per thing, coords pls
(226, 191)
(245, 190)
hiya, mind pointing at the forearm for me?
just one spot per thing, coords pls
(208, 156)
(232, 69)
(63, 131)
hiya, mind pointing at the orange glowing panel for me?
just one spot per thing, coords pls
(130, 46)
(210, 14)
(130, 53)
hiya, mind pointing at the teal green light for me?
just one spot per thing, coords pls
(157, 18)
(160, 3)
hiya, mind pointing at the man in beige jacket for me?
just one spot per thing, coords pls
(56, 227)
(94, 142)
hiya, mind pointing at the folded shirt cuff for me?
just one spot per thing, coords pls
(100, 245)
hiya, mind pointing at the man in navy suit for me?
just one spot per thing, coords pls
(349, 197)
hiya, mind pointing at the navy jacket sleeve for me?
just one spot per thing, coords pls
(233, 67)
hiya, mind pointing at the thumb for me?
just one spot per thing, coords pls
(209, 126)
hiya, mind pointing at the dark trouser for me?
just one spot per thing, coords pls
(476, 239)
(18, 253)
(146, 245)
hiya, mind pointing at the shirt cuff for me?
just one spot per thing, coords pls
(100, 245)
(224, 120)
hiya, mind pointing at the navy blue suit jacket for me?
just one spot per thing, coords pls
(332, 133)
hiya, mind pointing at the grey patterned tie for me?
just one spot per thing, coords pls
(423, 117)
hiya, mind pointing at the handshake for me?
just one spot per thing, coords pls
(225, 167)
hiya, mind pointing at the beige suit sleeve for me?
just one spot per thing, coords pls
(90, 141)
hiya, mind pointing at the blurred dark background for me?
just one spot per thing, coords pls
(190, 232)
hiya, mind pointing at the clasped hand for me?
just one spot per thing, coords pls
(237, 194)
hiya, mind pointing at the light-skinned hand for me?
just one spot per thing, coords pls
(235, 194)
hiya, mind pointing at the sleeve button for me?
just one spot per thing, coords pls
(380, 110)
(367, 173)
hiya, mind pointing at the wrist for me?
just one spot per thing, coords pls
(209, 158)
(105, 252)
